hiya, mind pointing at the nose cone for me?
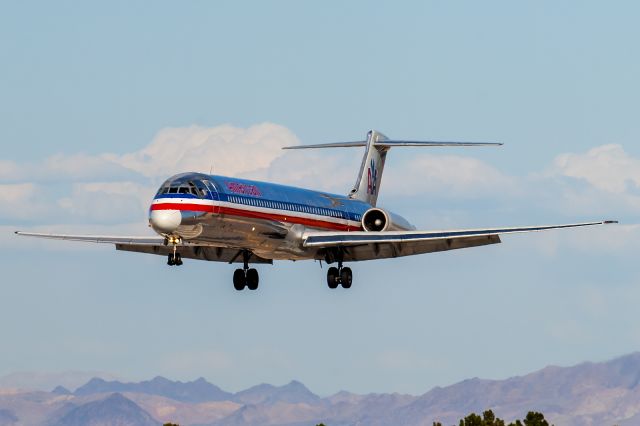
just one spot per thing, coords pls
(165, 221)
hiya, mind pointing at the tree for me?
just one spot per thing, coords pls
(488, 418)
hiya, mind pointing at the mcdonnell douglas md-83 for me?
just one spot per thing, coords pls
(224, 219)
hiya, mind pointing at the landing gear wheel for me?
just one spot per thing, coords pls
(170, 260)
(178, 259)
(346, 277)
(252, 279)
(333, 277)
(239, 279)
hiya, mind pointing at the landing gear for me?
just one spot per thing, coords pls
(246, 277)
(174, 259)
(252, 279)
(333, 277)
(239, 279)
(346, 277)
(339, 275)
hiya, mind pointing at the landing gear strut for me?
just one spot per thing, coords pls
(339, 276)
(174, 259)
(246, 277)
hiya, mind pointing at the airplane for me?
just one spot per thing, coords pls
(226, 219)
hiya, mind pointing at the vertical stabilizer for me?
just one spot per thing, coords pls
(367, 185)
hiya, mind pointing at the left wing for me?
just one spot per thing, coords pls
(376, 245)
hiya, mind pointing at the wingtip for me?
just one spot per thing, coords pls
(607, 222)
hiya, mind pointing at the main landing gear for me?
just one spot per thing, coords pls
(246, 277)
(339, 276)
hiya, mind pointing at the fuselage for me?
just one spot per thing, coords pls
(268, 219)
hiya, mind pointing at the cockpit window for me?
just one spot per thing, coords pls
(192, 187)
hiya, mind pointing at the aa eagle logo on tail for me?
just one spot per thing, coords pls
(372, 177)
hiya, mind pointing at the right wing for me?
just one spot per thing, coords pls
(362, 245)
(145, 241)
(155, 245)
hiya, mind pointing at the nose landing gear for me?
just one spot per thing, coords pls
(246, 277)
(174, 259)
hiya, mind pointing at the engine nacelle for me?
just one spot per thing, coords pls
(378, 220)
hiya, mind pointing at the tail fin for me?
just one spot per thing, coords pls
(376, 146)
(368, 183)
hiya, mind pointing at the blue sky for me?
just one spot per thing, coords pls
(99, 103)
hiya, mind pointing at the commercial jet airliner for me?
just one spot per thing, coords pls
(224, 219)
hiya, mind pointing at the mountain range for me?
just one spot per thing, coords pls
(588, 394)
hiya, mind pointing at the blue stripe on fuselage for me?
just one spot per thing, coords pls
(271, 195)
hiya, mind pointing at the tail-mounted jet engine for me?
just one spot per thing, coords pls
(378, 220)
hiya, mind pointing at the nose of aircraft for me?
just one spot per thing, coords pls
(165, 221)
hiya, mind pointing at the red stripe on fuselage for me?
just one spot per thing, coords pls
(255, 215)
(183, 207)
(289, 219)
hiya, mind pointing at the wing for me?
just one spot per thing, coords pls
(212, 254)
(155, 245)
(144, 241)
(377, 245)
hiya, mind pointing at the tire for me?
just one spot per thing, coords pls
(332, 277)
(178, 261)
(239, 280)
(170, 261)
(346, 277)
(253, 279)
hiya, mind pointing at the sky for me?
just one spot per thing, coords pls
(99, 103)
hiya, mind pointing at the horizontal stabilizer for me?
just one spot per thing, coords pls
(391, 144)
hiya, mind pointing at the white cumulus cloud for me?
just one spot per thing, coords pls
(226, 149)
(18, 201)
(448, 174)
(606, 167)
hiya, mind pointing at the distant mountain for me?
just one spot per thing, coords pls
(113, 410)
(197, 391)
(61, 390)
(588, 394)
(29, 380)
(294, 392)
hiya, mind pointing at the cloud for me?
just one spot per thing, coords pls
(226, 149)
(450, 175)
(607, 167)
(119, 187)
(108, 201)
(18, 201)
(64, 168)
